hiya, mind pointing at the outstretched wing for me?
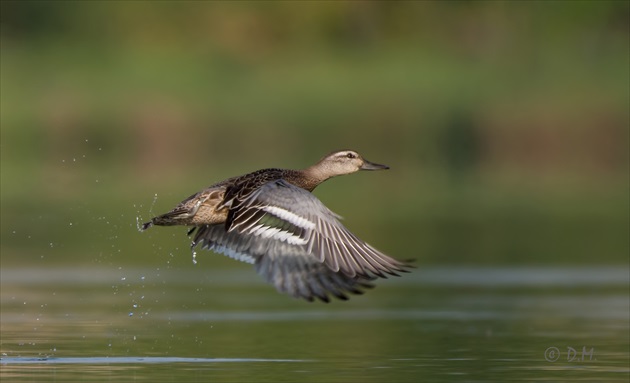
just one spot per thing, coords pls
(288, 267)
(281, 222)
(286, 213)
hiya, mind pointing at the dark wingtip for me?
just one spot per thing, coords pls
(409, 263)
(146, 225)
(366, 285)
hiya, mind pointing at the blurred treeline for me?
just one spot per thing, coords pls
(505, 123)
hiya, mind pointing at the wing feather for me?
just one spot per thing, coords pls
(327, 239)
(297, 244)
(288, 267)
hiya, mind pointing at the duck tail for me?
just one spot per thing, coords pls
(146, 225)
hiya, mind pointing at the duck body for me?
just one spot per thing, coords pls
(271, 219)
(209, 206)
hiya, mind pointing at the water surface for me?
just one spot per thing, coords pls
(199, 324)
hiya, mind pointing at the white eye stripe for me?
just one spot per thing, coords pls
(290, 217)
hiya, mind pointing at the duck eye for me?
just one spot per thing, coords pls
(351, 155)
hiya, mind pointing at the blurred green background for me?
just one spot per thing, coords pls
(505, 124)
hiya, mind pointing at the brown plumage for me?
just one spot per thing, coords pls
(270, 218)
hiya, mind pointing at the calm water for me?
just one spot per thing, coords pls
(199, 324)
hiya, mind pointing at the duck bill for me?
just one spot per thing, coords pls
(367, 165)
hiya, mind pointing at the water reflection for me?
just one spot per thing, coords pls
(139, 360)
(444, 324)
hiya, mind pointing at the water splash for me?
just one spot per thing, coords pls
(155, 197)
(139, 220)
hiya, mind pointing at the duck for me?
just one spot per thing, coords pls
(270, 219)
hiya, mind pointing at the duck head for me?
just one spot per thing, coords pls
(346, 162)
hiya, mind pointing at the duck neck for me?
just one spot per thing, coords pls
(312, 176)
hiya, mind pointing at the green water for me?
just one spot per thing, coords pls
(196, 324)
